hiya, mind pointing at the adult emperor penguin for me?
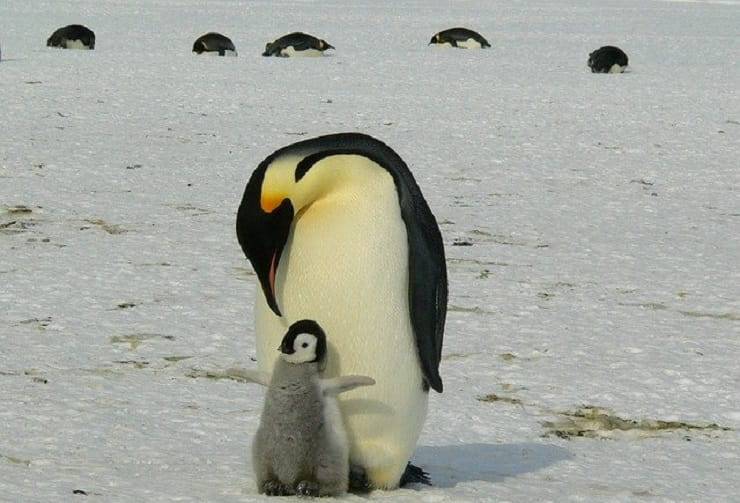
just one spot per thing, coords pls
(608, 59)
(460, 37)
(337, 230)
(214, 43)
(296, 44)
(73, 36)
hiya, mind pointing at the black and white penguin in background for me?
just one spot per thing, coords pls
(460, 37)
(73, 36)
(296, 44)
(301, 444)
(214, 43)
(608, 59)
(337, 230)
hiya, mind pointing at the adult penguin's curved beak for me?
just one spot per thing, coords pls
(262, 236)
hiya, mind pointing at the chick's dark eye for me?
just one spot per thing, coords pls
(305, 344)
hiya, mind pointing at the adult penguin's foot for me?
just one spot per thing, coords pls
(415, 475)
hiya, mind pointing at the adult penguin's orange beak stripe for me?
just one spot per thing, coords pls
(262, 235)
(269, 202)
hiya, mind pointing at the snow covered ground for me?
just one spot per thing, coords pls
(592, 226)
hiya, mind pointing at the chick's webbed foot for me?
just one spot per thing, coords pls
(275, 488)
(307, 489)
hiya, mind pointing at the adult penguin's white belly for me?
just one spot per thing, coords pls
(291, 52)
(470, 43)
(345, 264)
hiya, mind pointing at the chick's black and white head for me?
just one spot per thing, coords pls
(305, 342)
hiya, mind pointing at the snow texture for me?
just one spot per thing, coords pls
(591, 222)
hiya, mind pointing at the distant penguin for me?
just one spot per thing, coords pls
(301, 445)
(607, 59)
(460, 37)
(73, 36)
(337, 229)
(296, 44)
(214, 43)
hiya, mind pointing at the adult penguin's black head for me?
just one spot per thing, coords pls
(263, 227)
(324, 45)
(199, 46)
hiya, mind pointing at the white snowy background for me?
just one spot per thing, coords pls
(591, 223)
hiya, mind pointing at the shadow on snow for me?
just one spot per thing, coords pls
(449, 465)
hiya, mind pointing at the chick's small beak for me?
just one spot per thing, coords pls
(286, 348)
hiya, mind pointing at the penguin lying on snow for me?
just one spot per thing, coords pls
(301, 445)
(607, 59)
(73, 36)
(296, 44)
(460, 37)
(214, 43)
(336, 228)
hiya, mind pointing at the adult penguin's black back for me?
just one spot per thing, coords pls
(73, 36)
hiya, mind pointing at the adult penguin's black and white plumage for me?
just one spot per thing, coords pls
(607, 59)
(337, 230)
(460, 37)
(296, 44)
(73, 36)
(214, 43)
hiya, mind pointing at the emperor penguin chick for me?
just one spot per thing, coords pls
(301, 445)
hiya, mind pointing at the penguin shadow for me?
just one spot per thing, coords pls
(449, 465)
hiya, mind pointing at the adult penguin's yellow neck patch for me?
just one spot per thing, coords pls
(278, 183)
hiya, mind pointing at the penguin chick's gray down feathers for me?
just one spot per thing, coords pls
(301, 445)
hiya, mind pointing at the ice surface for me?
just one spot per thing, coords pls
(592, 226)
